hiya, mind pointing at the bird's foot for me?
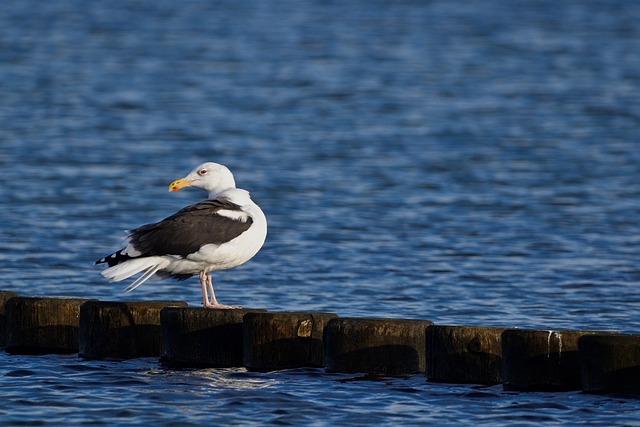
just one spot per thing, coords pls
(221, 306)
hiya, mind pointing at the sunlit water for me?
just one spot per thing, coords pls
(472, 163)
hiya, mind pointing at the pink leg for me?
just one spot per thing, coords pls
(203, 285)
(211, 302)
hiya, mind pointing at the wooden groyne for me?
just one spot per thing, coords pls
(610, 363)
(121, 330)
(182, 336)
(274, 341)
(376, 346)
(4, 296)
(195, 337)
(42, 325)
(464, 354)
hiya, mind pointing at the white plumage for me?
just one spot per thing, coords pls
(222, 232)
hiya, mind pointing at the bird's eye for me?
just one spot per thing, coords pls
(202, 172)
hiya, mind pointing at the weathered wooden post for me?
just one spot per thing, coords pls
(380, 346)
(541, 360)
(121, 330)
(464, 354)
(203, 338)
(274, 341)
(4, 296)
(42, 325)
(610, 363)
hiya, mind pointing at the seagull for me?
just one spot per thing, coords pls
(219, 233)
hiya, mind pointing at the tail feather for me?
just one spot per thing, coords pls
(131, 267)
(148, 273)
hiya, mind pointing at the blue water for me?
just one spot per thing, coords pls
(467, 162)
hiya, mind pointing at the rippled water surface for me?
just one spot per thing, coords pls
(466, 162)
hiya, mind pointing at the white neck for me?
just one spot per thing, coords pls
(236, 195)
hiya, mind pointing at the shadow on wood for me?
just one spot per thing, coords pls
(4, 296)
(201, 338)
(377, 346)
(464, 354)
(121, 330)
(539, 360)
(610, 363)
(42, 325)
(274, 341)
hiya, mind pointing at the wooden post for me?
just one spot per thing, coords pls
(380, 346)
(535, 360)
(610, 363)
(121, 330)
(42, 325)
(464, 354)
(274, 341)
(202, 338)
(4, 296)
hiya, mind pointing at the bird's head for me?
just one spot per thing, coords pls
(210, 177)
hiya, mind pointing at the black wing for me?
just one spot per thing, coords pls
(186, 231)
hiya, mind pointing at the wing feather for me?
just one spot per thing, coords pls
(186, 231)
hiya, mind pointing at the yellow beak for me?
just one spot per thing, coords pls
(179, 184)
